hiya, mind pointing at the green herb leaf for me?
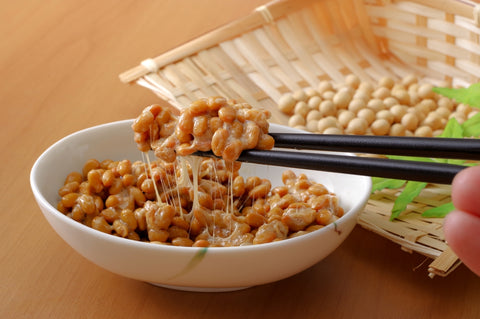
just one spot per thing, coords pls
(411, 190)
(469, 96)
(410, 158)
(379, 183)
(439, 211)
(471, 127)
(470, 164)
(453, 129)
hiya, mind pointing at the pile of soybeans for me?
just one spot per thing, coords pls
(403, 107)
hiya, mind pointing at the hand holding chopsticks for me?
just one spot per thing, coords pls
(468, 149)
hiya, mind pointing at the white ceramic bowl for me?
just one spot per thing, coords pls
(186, 268)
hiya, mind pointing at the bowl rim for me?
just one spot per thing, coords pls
(42, 201)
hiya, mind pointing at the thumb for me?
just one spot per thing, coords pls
(462, 231)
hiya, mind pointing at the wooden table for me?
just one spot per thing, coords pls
(59, 64)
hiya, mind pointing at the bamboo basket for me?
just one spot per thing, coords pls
(285, 46)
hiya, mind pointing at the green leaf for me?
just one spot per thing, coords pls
(411, 190)
(469, 96)
(455, 161)
(453, 129)
(471, 127)
(379, 183)
(471, 164)
(439, 211)
(410, 158)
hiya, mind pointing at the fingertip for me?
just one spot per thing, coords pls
(466, 190)
(462, 235)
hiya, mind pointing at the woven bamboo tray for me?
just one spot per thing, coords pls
(287, 46)
(411, 231)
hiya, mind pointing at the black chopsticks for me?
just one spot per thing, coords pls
(441, 173)
(453, 148)
(407, 170)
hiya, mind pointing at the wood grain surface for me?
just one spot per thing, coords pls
(59, 64)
